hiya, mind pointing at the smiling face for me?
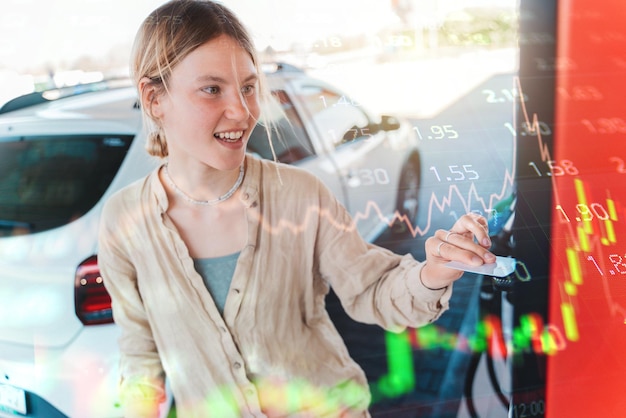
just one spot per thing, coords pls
(211, 105)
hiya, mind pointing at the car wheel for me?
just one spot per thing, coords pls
(408, 197)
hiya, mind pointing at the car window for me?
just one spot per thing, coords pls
(289, 138)
(48, 181)
(338, 118)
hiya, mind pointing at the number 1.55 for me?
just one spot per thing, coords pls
(458, 175)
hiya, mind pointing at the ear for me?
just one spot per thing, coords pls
(150, 96)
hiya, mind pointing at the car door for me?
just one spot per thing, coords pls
(291, 142)
(357, 152)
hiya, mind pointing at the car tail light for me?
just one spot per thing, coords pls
(92, 301)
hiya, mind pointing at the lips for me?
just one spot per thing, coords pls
(231, 136)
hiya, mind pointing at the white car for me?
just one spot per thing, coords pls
(61, 159)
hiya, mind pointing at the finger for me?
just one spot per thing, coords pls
(465, 242)
(475, 225)
(444, 235)
(470, 221)
(464, 251)
(468, 232)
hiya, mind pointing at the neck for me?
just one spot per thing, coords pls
(203, 186)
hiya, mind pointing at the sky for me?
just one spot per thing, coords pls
(54, 32)
(36, 33)
(38, 37)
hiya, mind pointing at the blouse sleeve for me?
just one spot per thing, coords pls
(142, 378)
(374, 285)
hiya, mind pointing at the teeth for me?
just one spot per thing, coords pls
(229, 136)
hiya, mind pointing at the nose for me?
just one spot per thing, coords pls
(237, 108)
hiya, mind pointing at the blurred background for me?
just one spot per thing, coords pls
(449, 67)
(419, 54)
(446, 66)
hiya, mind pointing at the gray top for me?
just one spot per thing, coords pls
(217, 273)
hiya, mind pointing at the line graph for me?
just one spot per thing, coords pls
(453, 196)
(435, 202)
(587, 275)
(568, 287)
(581, 239)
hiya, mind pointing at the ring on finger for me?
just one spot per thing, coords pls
(439, 248)
(448, 235)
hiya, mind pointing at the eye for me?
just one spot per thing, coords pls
(212, 90)
(248, 90)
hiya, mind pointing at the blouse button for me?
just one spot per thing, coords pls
(237, 365)
(246, 196)
(253, 205)
(236, 291)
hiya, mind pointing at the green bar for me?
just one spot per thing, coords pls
(400, 378)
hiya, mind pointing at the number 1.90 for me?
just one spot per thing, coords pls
(586, 212)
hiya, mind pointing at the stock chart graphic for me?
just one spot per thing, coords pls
(588, 269)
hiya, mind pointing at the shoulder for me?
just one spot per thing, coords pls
(287, 178)
(292, 188)
(128, 199)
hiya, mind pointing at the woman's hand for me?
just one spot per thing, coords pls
(467, 242)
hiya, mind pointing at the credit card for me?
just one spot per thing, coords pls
(501, 268)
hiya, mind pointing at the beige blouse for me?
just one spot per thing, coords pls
(275, 351)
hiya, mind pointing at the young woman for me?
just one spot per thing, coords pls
(218, 263)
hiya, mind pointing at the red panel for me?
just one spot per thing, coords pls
(587, 377)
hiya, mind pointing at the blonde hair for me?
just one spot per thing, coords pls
(167, 36)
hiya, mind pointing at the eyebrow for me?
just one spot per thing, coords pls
(216, 79)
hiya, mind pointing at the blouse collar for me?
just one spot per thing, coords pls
(249, 187)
